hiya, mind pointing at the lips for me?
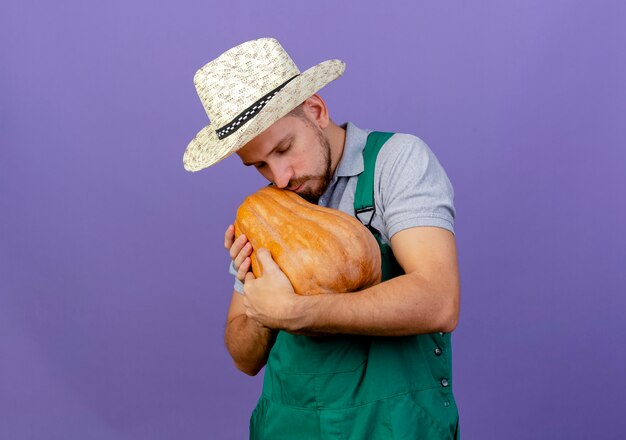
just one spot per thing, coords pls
(296, 188)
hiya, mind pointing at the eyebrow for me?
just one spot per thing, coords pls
(287, 137)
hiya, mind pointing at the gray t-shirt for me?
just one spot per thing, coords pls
(411, 187)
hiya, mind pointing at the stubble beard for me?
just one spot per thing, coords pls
(313, 195)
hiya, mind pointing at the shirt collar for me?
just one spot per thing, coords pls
(351, 163)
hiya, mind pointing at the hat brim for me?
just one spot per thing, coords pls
(207, 149)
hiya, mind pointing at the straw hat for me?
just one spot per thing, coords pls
(244, 91)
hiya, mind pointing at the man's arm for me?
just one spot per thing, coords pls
(424, 300)
(247, 342)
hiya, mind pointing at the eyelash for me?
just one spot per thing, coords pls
(285, 150)
(277, 152)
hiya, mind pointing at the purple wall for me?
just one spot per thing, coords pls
(113, 282)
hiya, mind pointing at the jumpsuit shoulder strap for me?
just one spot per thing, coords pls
(364, 207)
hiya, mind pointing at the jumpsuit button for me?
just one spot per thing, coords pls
(438, 351)
(444, 382)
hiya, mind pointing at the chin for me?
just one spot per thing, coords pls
(311, 191)
(310, 196)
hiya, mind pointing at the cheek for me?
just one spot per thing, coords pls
(307, 167)
(309, 159)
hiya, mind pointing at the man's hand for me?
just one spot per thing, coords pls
(240, 251)
(247, 341)
(270, 299)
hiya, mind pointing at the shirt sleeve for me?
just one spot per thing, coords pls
(413, 186)
(238, 284)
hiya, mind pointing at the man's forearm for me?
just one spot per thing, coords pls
(404, 305)
(248, 343)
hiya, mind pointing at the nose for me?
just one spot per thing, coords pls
(282, 174)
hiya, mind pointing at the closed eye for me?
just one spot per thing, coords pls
(283, 151)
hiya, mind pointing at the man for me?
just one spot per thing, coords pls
(382, 367)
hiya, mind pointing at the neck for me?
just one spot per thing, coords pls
(337, 138)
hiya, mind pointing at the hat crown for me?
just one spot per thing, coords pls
(241, 76)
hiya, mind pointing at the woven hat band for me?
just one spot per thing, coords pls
(239, 120)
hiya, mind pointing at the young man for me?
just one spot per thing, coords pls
(382, 368)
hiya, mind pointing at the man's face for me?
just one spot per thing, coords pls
(293, 154)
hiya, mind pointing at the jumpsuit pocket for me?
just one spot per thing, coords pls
(299, 354)
(364, 422)
(426, 414)
(315, 372)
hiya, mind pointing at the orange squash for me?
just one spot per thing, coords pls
(321, 250)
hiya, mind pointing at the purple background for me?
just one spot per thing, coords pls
(113, 282)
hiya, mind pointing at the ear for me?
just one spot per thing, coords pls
(316, 110)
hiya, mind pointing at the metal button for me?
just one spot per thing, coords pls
(446, 403)
(438, 351)
(444, 382)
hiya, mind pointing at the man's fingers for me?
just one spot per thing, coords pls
(245, 252)
(229, 236)
(237, 246)
(265, 258)
(249, 276)
(243, 269)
